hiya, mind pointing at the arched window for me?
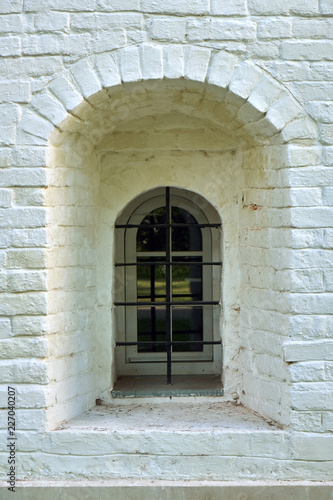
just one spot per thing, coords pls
(168, 280)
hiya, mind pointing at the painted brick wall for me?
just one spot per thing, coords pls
(273, 65)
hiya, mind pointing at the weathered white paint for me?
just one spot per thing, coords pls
(110, 108)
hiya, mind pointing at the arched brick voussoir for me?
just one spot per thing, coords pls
(196, 61)
(47, 105)
(33, 129)
(65, 89)
(86, 77)
(260, 103)
(221, 69)
(242, 82)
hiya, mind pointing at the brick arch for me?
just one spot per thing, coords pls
(264, 106)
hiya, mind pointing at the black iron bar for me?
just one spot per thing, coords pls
(167, 226)
(164, 263)
(169, 303)
(171, 343)
(152, 291)
(168, 283)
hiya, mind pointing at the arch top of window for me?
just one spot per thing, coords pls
(135, 212)
(183, 238)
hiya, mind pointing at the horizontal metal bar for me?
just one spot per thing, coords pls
(159, 296)
(173, 342)
(133, 226)
(164, 263)
(156, 304)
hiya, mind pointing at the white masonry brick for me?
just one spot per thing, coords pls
(244, 79)
(23, 348)
(312, 28)
(228, 7)
(327, 421)
(23, 177)
(31, 258)
(312, 447)
(283, 111)
(303, 351)
(14, 91)
(130, 64)
(302, 128)
(196, 63)
(168, 29)
(64, 89)
(28, 238)
(264, 93)
(321, 111)
(312, 396)
(22, 217)
(36, 125)
(29, 197)
(50, 107)
(176, 7)
(221, 69)
(302, 7)
(108, 70)
(326, 7)
(328, 155)
(5, 198)
(23, 281)
(5, 328)
(217, 29)
(43, 44)
(23, 303)
(11, 7)
(316, 50)
(298, 156)
(275, 28)
(86, 78)
(10, 46)
(311, 217)
(23, 371)
(29, 325)
(310, 371)
(11, 24)
(151, 62)
(115, 5)
(173, 62)
(326, 133)
(58, 21)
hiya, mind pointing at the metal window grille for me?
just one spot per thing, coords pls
(168, 344)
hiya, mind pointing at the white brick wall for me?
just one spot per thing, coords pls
(265, 74)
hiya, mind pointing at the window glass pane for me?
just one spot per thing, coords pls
(152, 239)
(187, 325)
(151, 281)
(185, 238)
(186, 280)
(151, 327)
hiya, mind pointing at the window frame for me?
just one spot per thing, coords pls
(128, 360)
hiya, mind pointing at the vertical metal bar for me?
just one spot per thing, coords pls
(152, 289)
(168, 283)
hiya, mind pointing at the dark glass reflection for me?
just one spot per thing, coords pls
(185, 238)
(187, 325)
(151, 280)
(151, 324)
(186, 280)
(152, 239)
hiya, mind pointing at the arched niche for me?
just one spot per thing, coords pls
(121, 123)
